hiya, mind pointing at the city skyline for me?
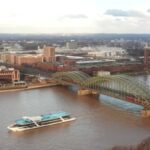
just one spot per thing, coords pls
(80, 16)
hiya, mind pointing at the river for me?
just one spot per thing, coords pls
(98, 126)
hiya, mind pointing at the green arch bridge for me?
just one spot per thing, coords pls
(119, 86)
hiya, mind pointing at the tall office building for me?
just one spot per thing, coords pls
(146, 55)
(49, 54)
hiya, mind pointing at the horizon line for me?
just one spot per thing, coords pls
(74, 33)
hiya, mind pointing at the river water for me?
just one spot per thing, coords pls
(98, 126)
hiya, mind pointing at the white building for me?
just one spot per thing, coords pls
(108, 52)
(103, 73)
(72, 44)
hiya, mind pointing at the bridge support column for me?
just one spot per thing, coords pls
(145, 113)
(84, 92)
(87, 92)
(95, 92)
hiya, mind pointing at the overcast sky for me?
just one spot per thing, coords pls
(74, 16)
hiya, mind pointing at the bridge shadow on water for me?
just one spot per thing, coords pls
(120, 104)
(115, 102)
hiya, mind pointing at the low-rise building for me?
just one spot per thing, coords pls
(103, 73)
(9, 74)
(29, 59)
(20, 58)
(108, 52)
(72, 44)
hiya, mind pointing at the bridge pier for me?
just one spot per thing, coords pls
(145, 113)
(86, 92)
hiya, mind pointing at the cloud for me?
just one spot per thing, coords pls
(123, 13)
(122, 25)
(148, 10)
(117, 12)
(72, 16)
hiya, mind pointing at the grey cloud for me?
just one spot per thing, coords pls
(117, 12)
(120, 25)
(148, 10)
(78, 16)
(123, 13)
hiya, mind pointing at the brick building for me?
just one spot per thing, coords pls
(49, 54)
(29, 59)
(9, 74)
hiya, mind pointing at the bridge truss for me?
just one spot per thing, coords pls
(119, 86)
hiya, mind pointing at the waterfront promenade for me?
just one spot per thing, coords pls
(28, 87)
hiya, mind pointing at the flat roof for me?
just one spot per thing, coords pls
(89, 61)
(94, 61)
(74, 57)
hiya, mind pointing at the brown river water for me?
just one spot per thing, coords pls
(98, 126)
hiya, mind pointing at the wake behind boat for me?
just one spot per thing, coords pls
(27, 123)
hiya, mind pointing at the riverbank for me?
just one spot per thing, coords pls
(144, 145)
(137, 73)
(29, 87)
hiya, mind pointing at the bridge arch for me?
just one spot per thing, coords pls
(76, 77)
(127, 87)
(124, 85)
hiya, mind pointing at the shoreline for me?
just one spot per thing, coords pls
(30, 87)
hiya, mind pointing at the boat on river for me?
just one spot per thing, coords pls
(34, 122)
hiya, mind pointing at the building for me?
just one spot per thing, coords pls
(6, 57)
(9, 74)
(108, 52)
(146, 56)
(19, 59)
(72, 44)
(103, 73)
(29, 59)
(94, 62)
(49, 54)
